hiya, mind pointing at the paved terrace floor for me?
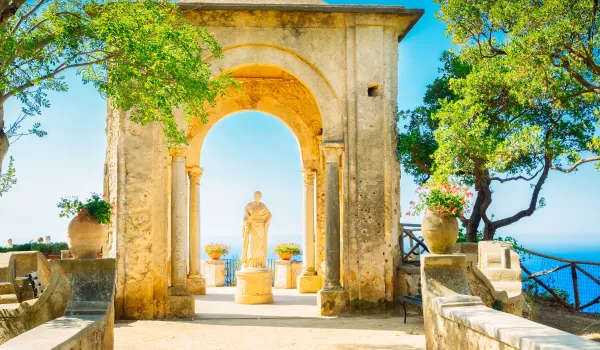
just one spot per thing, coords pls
(289, 323)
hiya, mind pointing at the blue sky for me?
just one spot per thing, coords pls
(251, 151)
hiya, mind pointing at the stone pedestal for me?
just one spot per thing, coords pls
(197, 285)
(254, 286)
(309, 284)
(286, 273)
(180, 306)
(214, 272)
(332, 301)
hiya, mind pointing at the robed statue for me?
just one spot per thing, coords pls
(254, 231)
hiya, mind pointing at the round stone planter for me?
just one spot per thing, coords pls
(440, 233)
(85, 237)
(285, 256)
(215, 255)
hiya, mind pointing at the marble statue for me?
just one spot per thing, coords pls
(254, 231)
(9, 243)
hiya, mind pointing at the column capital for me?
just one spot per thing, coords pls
(308, 175)
(195, 174)
(332, 151)
(178, 151)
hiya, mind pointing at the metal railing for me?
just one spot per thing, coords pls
(235, 264)
(411, 246)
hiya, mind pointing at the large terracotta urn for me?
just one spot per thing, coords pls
(215, 255)
(85, 237)
(439, 232)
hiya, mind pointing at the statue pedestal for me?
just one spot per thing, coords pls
(254, 286)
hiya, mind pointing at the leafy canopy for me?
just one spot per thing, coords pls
(143, 56)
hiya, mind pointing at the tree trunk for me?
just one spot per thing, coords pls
(3, 139)
(473, 223)
(489, 231)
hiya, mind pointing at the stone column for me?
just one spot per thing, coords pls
(332, 299)
(180, 304)
(196, 283)
(308, 281)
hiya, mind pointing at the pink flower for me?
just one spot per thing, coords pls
(412, 203)
(408, 213)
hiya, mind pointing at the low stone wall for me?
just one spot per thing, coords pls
(456, 320)
(18, 318)
(88, 319)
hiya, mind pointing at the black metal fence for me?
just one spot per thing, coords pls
(235, 264)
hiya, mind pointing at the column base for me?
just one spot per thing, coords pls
(309, 284)
(196, 285)
(180, 306)
(332, 302)
(254, 287)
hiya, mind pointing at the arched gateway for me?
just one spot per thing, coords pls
(329, 72)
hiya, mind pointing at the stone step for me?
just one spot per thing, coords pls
(503, 275)
(7, 288)
(8, 299)
(86, 308)
(511, 288)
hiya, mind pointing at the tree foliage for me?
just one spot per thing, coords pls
(143, 56)
(530, 103)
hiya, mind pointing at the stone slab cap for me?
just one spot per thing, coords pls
(512, 330)
(444, 261)
(61, 333)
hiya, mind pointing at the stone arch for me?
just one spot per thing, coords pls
(270, 89)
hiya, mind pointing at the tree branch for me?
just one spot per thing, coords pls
(520, 177)
(532, 204)
(25, 16)
(576, 164)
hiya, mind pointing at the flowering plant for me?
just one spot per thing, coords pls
(443, 199)
(94, 207)
(292, 248)
(216, 248)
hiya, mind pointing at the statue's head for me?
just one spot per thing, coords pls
(257, 196)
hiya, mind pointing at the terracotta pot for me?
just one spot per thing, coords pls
(215, 255)
(285, 256)
(53, 256)
(440, 233)
(85, 237)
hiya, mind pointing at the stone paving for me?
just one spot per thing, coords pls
(288, 323)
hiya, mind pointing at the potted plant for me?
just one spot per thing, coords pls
(287, 250)
(86, 233)
(215, 250)
(442, 204)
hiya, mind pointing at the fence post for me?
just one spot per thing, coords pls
(575, 286)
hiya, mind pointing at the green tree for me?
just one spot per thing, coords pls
(530, 103)
(417, 144)
(143, 56)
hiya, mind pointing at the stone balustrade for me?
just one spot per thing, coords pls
(88, 320)
(454, 319)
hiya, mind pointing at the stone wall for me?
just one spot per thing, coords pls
(456, 320)
(136, 178)
(88, 320)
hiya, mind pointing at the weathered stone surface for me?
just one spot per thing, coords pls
(214, 272)
(309, 284)
(286, 273)
(180, 306)
(330, 77)
(332, 302)
(254, 286)
(89, 315)
(196, 285)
